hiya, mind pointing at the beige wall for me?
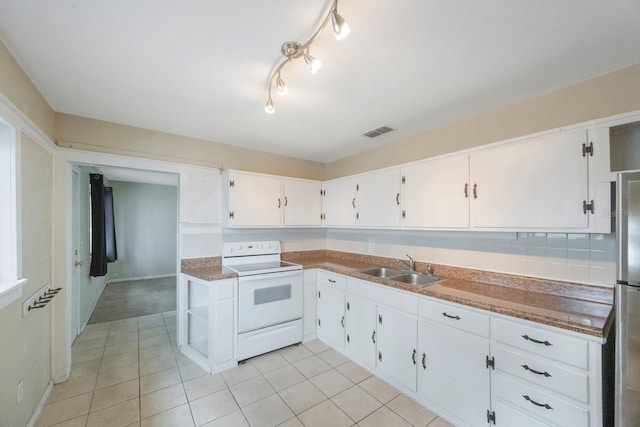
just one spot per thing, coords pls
(20, 90)
(95, 135)
(26, 341)
(604, 96)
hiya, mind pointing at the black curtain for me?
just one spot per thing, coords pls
(103, 233)
(110, 229)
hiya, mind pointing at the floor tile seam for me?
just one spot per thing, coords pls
(333, 403)
(356, 385)
(401, 416)
(186, 402)
(313, 406)
(110, 406)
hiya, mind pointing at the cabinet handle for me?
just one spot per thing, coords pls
(373, 337)
(332, 281)
(286, 201)
(353, 203)
(450, 317)
(475, 190)
(542, 405)
(466, 190)
(380, 356)
(528, 338)
(424, 360)
(527, 368)
(279, 203)
(342, 321)
(413, 356)
(398, 199)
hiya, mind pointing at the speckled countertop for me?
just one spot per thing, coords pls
(580, 308)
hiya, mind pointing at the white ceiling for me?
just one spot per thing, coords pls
(200, 68)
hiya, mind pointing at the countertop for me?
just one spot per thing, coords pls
(581, 308)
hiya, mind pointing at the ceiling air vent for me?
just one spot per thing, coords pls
(378, 131)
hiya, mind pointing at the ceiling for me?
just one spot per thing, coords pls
(200, 68)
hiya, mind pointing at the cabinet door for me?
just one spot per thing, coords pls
(224, 337)
(254, 200)
(397, 336)
(331, 319)
(310, 319)
(539, 183)
(378, 199)
(302, 203)
(453, 373)
(361, 330)
(340, 202)
(435, 193)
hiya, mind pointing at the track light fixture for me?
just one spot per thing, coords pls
(294, 50)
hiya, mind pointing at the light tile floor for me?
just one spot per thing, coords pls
(130, 373)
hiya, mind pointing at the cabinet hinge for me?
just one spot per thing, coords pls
(348, 340)
(318, 294)
(318, 322)
(588, 207)
(491, 417)
(380, 318)
(232, 183)
(232, 214)
(357, 215)
(322, 216)
(348, 306)
(587, 149)
(323, 192)
(404, 213)
(404, 179)
(491, 362)
(357, 187)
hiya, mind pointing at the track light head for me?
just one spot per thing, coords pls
(281, 86)
(313, 64)
(340, 27)
(268, 108)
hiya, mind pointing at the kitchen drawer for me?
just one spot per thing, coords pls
(332, 279)
(543, 405)
(384, 295)
(556, 346)
(455, 316)
(542, 372)
(506, 416)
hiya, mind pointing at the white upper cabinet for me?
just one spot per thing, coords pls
(435, 193)
(259, 200)
(302, 202)
(540, 183)
(340, 202)
(378, 199)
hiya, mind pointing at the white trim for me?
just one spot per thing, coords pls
(27, 126)
(36, 413)
(128, 279)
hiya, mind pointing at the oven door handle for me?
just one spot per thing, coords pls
(264, 276)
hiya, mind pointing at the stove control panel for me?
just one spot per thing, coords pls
(250, 248)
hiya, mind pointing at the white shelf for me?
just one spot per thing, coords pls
(201, 312)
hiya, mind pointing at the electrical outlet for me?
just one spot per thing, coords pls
(20, 391)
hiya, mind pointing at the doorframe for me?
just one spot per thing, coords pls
(74, 308)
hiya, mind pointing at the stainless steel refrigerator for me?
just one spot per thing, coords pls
(627, 408)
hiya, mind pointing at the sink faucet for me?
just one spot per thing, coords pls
(409, 263)
(429, 270)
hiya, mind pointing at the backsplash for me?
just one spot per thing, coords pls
(581, 258)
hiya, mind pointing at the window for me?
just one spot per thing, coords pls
(10, 286)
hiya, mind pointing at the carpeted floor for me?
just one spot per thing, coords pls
(122, 300)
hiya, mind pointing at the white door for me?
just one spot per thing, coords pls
(361, 330)
(255, 200)
(302, 203)
(74, 310)
(378, 199)
(537, 183)
(397, 339)
(331, 318)
(435, 193)
(340, 202)
(453, 372)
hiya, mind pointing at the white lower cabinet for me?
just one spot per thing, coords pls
(453, 374)
(361, 330)
(206, 322)
(469, 366)
(397, 345)
(331, 308)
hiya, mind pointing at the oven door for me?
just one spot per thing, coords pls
(269, 299)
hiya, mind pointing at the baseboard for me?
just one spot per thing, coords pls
(38, 410)
(128, 279)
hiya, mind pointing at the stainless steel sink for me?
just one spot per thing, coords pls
(415, 278)
(382, 272)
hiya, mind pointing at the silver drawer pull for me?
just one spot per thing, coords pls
(528, 338)
(332, 281)
(542, 405)
(450, 317)
(527, 368)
